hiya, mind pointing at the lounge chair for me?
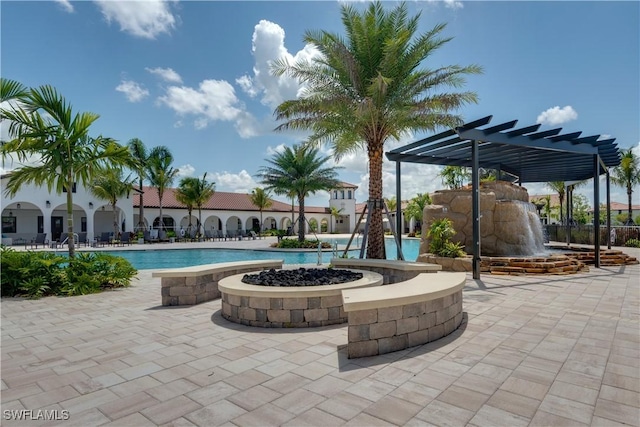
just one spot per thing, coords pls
(125, 238)
(104, 239)
(40, 239)
(82, 239)
(253, 234)
(208, 235)
(162, 236)
(232, 234)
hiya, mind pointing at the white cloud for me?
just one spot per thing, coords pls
(453, 4)
(166, 74)
(236, 183)
(144, 18)
(275, 150)
(66, 5)
(185, 170)
(132, 90)
(556, 115)
(268, 45)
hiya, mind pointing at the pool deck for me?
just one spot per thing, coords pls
(532, 350)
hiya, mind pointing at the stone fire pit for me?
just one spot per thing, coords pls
(302, 277)
(288, 306)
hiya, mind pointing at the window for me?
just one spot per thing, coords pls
(40, 224)
(342, 194)
(335, 194)
(83, 224)
(9, 224)
(349, 195)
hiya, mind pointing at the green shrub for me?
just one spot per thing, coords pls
(632, 243)
(38, 274)
(295, 244)
(440, 233)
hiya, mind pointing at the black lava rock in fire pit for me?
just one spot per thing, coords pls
(301, 277)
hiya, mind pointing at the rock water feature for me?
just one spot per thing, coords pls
(509, 224)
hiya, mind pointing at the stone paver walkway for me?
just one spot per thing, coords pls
(539, 350)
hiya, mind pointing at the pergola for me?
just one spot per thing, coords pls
(525, 153)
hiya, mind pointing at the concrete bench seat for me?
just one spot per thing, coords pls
(199, 283)
(392, 271)
(404, 314)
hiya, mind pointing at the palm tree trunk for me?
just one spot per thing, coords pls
(199, 220)
(261, 224)
(301, 219)
(375, 239)
(141, 209)
(71, 240)
(161, 225)
(629, 218)
(115, 221)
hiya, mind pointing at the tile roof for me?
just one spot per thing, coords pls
(343, 184)
(219, 201)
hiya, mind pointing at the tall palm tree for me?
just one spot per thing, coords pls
(186, 194)
(43, 125)
(204, 191)
(454, 176)
(299, 170)
(110, 185)
(627, 175)
(335, 214)
(139, 154)
(11, 89)
(366, 88)
(415, 207)
(261, 199)
(559, 188)
(160, 173)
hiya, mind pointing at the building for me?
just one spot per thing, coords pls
(34, 210)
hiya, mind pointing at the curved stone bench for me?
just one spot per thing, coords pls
(287, 307)
(405, 314)
(199, 283)
(391, 270)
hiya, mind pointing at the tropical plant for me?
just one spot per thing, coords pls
(440, 234)
(38, 274)
(160, 173)
(43, 126)
(110, 185)
(299, 170)
(366, 88)
(335, 214)
(392, 204)
(11, 90)
(416, 206)
(454, 177)
(560, 189)
(261, 199)
(186, 194)
(627, 174)
(204, 191)
(139, 156)
(632, 243)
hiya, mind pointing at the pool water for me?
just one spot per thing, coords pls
(174, 258)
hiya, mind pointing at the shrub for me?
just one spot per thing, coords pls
(38, 274)
(440, 232)
(295, 244)
(632, 243)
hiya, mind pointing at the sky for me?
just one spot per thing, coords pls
(195, 75)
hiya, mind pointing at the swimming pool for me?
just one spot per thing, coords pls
(174, 258)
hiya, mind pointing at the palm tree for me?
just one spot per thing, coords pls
(627, 175)
(261, 199)
(204, 190)
(44, 126)
(559, 188)
(416, 206)
(160, 173)
(110, 185)
(186, 194)
(366, 88)
(139, 154)
(11, 89)
(454, 176)
(299, 170)
(335, 214)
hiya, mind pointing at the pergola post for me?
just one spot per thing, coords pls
(596, 212)
(608, 211)
(398, 210)
(475, 203)
(567, 194)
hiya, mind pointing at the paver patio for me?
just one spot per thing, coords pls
(534, 350)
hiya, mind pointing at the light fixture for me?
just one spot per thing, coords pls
(10, 213)
(48, 203)
(90, 205)
(102, 207)
(18, 205)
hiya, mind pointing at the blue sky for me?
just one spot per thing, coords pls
(194, 76)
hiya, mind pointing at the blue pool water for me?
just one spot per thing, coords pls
(174, 258)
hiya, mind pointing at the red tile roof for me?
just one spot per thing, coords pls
(219, 201)
(343, 184)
